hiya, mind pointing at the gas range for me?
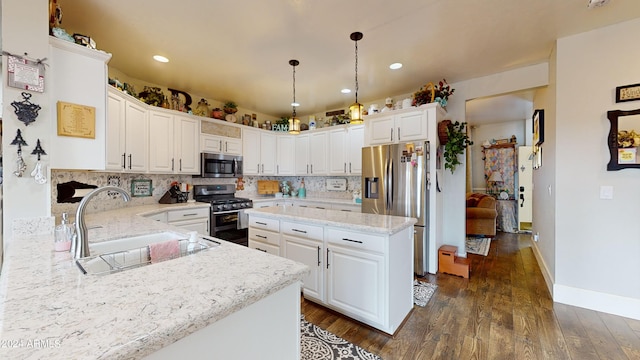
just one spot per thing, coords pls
(221, 197)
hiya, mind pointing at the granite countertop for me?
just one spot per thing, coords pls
(48, 309)
(373, 223)
(259, 198)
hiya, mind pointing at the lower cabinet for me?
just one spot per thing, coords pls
(364, 276)
(192, 219)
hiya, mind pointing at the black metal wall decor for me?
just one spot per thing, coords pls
(26, 111)
(21, 166)
(38, 150)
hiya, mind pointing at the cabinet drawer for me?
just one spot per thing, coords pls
(314, 205)
(260, 246)
(355, 240)
(162, 217)
(263, 223)
(346, 207)
(185, 214)
(264, 236)
(302, 230)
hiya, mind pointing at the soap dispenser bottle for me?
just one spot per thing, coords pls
(192, 245)
(63, 233)
(302, 192)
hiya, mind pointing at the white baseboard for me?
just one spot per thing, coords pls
(544, 269)
(611, 304)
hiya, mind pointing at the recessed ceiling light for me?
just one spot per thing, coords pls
(160, 58)
(345, 91)
(395, 66)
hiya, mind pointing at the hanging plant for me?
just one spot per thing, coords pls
(458, 142)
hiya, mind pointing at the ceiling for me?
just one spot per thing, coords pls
(240, 50)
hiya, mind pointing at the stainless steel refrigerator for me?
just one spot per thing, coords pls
(396, 181)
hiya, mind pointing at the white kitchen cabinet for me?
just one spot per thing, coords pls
(304, 243)
(302, 154)
(345, 150)
(356, 274)
(264, 235)
(259, 152)
(285, 155)
(401, 125)
(347, 207)
(78, 75)
(186, 145)
(173, 143)
(318, 142)
(195, 219)
(127, 134)
(220, 144)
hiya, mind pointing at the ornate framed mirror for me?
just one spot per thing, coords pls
(624, 139)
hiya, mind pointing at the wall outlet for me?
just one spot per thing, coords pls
(606, 192)
(536, 236)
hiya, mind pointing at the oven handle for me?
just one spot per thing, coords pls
(226, 212)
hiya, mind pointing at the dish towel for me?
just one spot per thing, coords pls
(164, 251)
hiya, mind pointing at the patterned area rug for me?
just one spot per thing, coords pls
(319, 344)
(478, 245)
(422, 292)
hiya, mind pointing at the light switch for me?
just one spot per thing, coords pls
(606, 192)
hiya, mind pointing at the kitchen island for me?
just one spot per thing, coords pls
(361, 264)
(204, 305)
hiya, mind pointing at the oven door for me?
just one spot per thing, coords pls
(225, 226)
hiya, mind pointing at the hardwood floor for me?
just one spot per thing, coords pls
(503, 311)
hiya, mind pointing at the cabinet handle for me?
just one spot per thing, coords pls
(172, 161)
(124, 160)
(318, 255)
(391, 134)
(300, 231)
(226, 146)
(261, 223)
(307, 168)
(129, 161)
(312, 168)
(261, 250)
(261, 237)
(345, 210)
(327, 258)
(220, 147)
(345, 167)
(180, 164)
(398, 133)
(263, 168)
(355, 241)
(194, 214)
(277, 169)
(349, 168)
(320, 207)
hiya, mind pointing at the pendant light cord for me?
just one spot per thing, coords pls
(294, 91)
(356, 70)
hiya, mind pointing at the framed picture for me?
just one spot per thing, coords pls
(76, 120)
(141, 187)
(628, 93)
(25, 74)
(538, 127)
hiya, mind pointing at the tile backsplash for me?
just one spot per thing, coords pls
(315, 186)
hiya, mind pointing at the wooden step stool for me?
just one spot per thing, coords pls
(450, 263)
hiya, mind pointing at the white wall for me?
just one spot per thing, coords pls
(24, 29)
(597, 241)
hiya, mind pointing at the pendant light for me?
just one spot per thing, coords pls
(355, 110)
(294, 122)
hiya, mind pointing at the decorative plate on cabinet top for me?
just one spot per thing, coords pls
(504, 195)
(230, 118)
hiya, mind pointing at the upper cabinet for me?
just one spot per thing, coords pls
(345, 150)
(77, 75)
(220, 144)
(186, 145)
(318, 163)
(259, 152)
(401, 125)
(285, 155)
(127, 142)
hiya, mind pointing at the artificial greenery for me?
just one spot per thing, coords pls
(230, 107)
(458, 142)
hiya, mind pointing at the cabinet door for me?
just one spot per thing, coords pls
(412, 126)
(310, 253)
(187, 159)
(285, 150)
(380, 130)
(267, 154)
(136, 137)
(115, 132)
(232, 146)
(161, 141)
(338, 152)
(355, 142)
(318, 153)
(250, 151)
(355, 283)
(211, 143)
(201, 226)
(302, 154)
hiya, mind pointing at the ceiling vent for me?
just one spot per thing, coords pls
(597, 3)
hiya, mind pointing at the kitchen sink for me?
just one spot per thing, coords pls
(128, 253)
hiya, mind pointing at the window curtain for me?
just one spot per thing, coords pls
(504, 161)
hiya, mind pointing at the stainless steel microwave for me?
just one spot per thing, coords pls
(220, 165)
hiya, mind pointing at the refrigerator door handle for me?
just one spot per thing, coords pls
(389, 191)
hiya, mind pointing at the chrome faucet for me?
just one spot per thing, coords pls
(80, 242)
